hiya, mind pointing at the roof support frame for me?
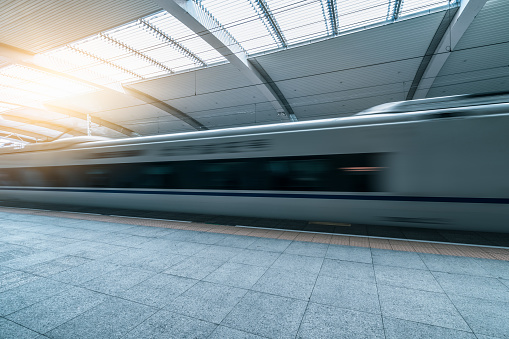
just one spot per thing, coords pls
(22, 132)
(200, 21)
(172, 42)
(45, 124)
(439, 51)
(396, 10)
(266, 16)
(333, 16)
(25, 58)
(165, 107)
(135, 52)
(104, 61)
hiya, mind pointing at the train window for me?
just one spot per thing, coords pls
(336, 173)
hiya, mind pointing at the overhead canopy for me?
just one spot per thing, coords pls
(164, 66)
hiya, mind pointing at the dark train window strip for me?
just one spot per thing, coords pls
(361, 172)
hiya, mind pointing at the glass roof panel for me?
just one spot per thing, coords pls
(353, 15)
(7, 107)
(34, 85)
(185, 37)
(242, 20)
(299, 20)
(415, 6)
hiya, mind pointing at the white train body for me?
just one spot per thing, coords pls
(440, 168)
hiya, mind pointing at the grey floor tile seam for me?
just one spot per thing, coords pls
(417, 322)
(453, 304)
(12, 321)
(259, 335)
(378, 295)
(312, 290)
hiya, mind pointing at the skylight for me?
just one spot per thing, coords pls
(245, 22)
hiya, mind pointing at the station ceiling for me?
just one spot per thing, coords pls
(121, 68)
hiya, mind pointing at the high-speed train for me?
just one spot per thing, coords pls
(439, 162)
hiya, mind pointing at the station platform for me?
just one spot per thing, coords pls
(78, 275)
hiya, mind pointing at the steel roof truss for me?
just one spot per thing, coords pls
(139, 54)
(198, 19)
(172, 42)
(270, 21)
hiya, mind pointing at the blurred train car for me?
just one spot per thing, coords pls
(440, 163)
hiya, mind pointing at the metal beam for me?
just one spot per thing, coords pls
(131, 50)
(458, 20)
(24, 58)
(271, 21)
(104, 61)
(22, 132)
(165, 107)
(333, 16)
(45, 124)
(199, 20)
(396, 10)
(172, 42)
(95, 120)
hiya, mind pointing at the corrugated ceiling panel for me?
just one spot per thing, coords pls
(349, 103)
(128, 115)
(305, 88)
(212, 79)
(98, 102)
(490, 26)
(401, 40)
(39, 25)
(479, 61)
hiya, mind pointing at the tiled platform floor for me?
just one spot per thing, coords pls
(75, 278)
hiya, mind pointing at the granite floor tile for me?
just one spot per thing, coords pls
(158, 290)
(307, 248)
(111, 319)
(497, 268)
(356, 295)
(403, 329)
(406, 277)
(118, 280)
(420, 306)
(222, 332)
(324, 321)
(83, 273)
(36, 258)
(267, 244)
(195, 267)
(56, 310)
(473, 286)
(486, 317)
(169, 325)
(4, 270)
(176, 247)
(267, 315)
(298, 263)
(292, 284)
(218, 252)
(256, 258)
(58, 265)
(452, 264)
(341, 269)
(207, 301)
(28, 294)
(239, 241)
(9, 330)
(397, 258)
(199, 237)
(236, 275)
(14, 279)
(349, 253)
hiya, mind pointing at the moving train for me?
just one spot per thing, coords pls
(437, 163)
